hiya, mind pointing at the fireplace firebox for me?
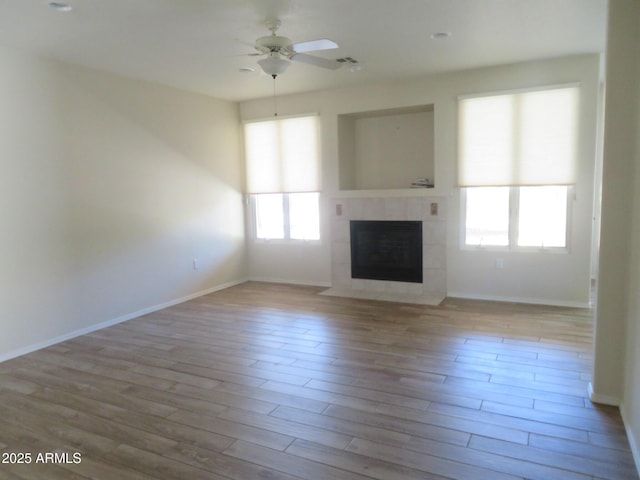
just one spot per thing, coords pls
(386, 250)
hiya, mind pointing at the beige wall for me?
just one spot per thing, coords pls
(631, 398)
(533, 277)
(391, 151)
(110, 188)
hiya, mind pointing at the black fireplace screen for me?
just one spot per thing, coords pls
(386, 250)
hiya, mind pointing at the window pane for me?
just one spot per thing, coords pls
(487, 216)
(304, 216)
(543, 217)
(269, 215)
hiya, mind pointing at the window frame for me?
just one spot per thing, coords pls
(514, 216)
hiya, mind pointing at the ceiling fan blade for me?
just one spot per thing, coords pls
(317, 61)
(314, 45)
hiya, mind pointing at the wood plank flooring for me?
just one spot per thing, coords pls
(265, 381)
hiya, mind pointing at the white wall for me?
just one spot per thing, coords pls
(533, 277)
(617, 369)
(110, 187)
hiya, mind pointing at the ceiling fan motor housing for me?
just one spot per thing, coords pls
(273, 43)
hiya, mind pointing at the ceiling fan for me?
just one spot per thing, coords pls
(280, 51)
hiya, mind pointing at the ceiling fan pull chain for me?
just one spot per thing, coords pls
(275, 100)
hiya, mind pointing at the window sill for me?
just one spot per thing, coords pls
(508, 249)
(285, 241)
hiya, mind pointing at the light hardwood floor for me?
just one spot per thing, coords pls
(264, 381)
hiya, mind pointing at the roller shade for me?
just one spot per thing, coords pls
(282, 155)
(517, 139)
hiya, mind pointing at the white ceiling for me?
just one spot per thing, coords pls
(200, 45)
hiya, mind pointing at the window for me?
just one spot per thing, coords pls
(516, 217)
(542, 217)
(304, 216)
(487, 216)
(283, 177)
(282, 216)
(516, 160)
(269, 215)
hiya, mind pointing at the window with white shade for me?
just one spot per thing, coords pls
(283, 177)
(517, 159)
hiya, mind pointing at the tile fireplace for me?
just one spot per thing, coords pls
(393, 250)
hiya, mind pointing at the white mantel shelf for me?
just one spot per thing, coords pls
(390, 193)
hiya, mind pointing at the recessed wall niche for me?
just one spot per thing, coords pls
(386, 149)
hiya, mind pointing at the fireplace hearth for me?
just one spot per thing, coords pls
(386, 250)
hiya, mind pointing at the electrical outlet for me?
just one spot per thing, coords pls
(434, 209)
(196, 264)
(338, 209)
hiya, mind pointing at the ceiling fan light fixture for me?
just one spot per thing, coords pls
(60, 6)
(274, 64)
(440, 35)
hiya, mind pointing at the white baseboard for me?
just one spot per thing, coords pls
(533, 301)
(633, 443)
(99, 326)
(615, 402)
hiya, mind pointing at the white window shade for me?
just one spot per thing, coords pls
(517, 139)
(282, 155)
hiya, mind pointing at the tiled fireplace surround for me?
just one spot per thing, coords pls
(430, 210)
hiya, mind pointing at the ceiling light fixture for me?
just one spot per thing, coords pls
(440, 35)
(60, 7)
(274, 64)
